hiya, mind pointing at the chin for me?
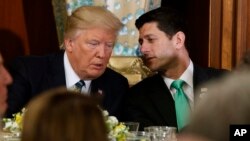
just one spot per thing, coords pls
(3, 108)
(95, 75)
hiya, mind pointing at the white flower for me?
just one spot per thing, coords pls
(116, 129)
(14, 124)
(105, 113)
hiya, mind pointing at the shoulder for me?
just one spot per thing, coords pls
(148, 82)
(210, 71)
(33, 60)
(203, 75)
(113, 75)
(36, 64)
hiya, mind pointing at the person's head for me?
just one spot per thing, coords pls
(89, 37)
(162, 34)
(225, 103)
(5, 80)
(60, 115)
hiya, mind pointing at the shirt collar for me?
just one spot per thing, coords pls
(70, 75)
(187, 76)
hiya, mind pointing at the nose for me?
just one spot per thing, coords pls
(101, 51)
(144, 48)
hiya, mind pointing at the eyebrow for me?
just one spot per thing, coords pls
(149, 35)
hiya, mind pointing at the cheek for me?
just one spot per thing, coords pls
(166, 48)
(165, 53)
(108, 55)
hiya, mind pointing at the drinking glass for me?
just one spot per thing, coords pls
(132, 126)
(138, 136)
(161, 133)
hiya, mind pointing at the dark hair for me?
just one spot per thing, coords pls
(169, 20)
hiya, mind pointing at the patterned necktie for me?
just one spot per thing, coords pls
(78, 86)
(181, 104)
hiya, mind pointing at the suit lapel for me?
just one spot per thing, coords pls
(96, 87)
(162, 99)
(199, 77)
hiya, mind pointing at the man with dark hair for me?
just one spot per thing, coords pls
(168, 97)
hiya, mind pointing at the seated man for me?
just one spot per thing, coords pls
(166, 98)
(89, 38)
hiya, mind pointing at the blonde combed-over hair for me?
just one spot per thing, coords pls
(87, 17)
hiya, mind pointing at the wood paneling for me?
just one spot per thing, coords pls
(227, 33)
(14, 40)
(198, 22)
(41, 27)
(214, 54)
(229, 38)
(241, 30)
(27, 27)
(248, 25)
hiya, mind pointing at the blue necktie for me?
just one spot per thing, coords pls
(78, 86)
(181, 104)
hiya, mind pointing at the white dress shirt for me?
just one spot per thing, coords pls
(187, 76)
(72, 78)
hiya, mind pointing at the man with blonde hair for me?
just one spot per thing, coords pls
(89, 38)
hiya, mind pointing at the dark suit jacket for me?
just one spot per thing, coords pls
(33, 75)
(150, 101)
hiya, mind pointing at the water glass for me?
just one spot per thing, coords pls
(162, 133)
(138, 136)
(132, 126)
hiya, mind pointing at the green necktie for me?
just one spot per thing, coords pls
(181, 104)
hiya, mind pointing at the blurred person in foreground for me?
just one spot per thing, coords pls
(163, 44)
(89, 37)
(225, 103)
(5, 80)
(61, 115)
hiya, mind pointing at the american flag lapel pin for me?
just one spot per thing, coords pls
(203, 93)
(100, 92)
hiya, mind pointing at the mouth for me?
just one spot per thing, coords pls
(98, 66)
(148, 59)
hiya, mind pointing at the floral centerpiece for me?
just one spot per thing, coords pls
(14, 125)
(116, 130)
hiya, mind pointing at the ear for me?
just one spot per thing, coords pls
(68, 45)
(180, 39)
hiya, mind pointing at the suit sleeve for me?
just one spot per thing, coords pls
(19, 90)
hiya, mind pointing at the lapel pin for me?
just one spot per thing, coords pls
(203, 92)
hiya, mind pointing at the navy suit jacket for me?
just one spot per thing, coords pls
(33, 75)
(151, 103)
